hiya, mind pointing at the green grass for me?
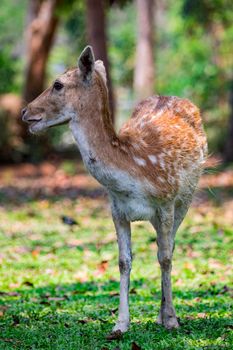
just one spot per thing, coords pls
(59, 285)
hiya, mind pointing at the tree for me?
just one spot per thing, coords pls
(97, 38)
(144, 67)
(42, 25)
(228, 154)
(213, 17)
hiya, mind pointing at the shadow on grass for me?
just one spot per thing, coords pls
(78, 316)
(16, 196)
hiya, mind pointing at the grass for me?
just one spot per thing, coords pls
(59, 284)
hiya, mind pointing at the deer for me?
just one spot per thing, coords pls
(150, 168)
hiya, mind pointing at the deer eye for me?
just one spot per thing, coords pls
(57, 85)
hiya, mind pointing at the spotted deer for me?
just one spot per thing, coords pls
(150, 168)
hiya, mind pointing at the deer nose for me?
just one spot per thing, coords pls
(23, 112)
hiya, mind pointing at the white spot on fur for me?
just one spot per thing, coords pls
(139, 161)
(142, 123)
(152, 158)
(171, 180)
(136, 146)
(161, 179)
(161, 161)
(160, 112)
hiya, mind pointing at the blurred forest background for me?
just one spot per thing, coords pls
(164, 47)
(59, 284)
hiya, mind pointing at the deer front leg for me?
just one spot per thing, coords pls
(125, 260)
(165, 240)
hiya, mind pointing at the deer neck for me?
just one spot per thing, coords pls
(96, 138)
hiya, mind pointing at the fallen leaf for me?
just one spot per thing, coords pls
(16, 320)
(133, 291)
(135, 346)
(28, 283)
(113, 311)
(230, 326)
(4, 308)
(201, 315)
(225, 289)
(56, 298)
(197, 299)
(35, 252)
(10, 294)
(190, 317)
(14, 285)
(102, 267)
(34, 300)
(85, 320)
(188, 266)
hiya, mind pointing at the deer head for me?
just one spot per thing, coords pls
(69, 95)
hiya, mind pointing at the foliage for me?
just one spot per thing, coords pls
(192, 51)
(206, 12)
(11, 29)
(122, 39)
(59, 284)
(192, 60)
(7, 72)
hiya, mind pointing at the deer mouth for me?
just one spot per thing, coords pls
(33, 120)
(34, 124)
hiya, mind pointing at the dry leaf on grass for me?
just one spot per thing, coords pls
(102, 267)
(10, 294)
(135, 346)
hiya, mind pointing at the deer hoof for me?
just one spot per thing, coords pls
(171, 322)
(121, 326)
(114, 335)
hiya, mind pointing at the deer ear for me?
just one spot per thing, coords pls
(86, 63)
(99, 66)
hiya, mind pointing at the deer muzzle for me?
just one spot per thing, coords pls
(27, 118)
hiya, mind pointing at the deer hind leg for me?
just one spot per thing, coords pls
(166, 239)
(164, 223)
(125, 260)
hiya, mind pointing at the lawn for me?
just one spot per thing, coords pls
(59, 283)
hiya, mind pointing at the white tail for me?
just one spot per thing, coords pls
(150, 169)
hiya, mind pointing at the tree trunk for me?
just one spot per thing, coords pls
(41, 24)
(40, 35)
(144, 66)
(228, 154)
(97, 38)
